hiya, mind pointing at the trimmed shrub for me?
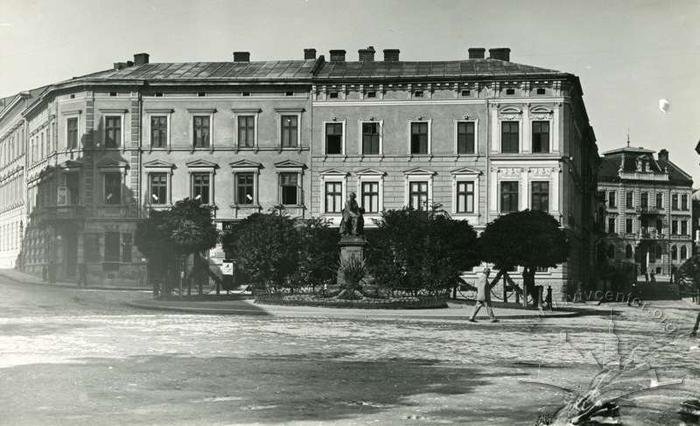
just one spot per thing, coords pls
(415, 250)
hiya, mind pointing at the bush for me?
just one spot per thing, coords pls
(265, 250)
(318, 252)
(418, 250)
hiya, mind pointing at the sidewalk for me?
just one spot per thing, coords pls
(23, 278)
(456, 312)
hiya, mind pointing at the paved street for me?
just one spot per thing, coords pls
(82, 357)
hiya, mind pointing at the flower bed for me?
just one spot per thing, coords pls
(406, 302)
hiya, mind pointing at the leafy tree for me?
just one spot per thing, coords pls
(529, 238)
(265, 247)
(318, 252)
(185, 229)
(689, 274)
(420, 250)
(153, 241)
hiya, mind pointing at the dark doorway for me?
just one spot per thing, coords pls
(70, 253)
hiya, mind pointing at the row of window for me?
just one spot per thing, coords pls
(12, 147)
(647, 228)
(371, 135)
(11, 193)
(117, 247)
(245, 188)
(10, 236)
(644, 200)
(420, 143)
(653, 254)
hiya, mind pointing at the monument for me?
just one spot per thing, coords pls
(352, 239)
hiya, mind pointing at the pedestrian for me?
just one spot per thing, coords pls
(633, 296)
(82, 271)
(483, 296)
(694, 333)
(548, 298)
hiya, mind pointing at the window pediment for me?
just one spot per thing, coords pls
(290, 164)
(370, 172)
(245, 164)
(202, 164)
(418, 171)
(466, 171)
(540, 109)
(160, 164)
(112, 164)
(334, 172)
(510, 110)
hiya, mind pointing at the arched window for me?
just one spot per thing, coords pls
(611, 251)
(628, 251)
(684, 252)
(674, 253)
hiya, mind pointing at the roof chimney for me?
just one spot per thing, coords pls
(502, 53)
(337, 55)
(476, 52)
(140, 58)
(310, 53)
(241, 56)
(663, 155)
(119, 65)
(366, 55)
(391, 55)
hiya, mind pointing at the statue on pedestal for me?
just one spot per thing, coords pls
(353, 222)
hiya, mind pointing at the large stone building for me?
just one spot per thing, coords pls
(480, 136)
(648, 210)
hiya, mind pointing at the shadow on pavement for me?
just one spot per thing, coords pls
(183, 389)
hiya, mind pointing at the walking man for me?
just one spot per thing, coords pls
(483, 296)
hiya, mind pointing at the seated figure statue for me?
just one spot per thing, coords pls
(352, 222)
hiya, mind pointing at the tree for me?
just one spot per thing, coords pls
(153, 241)
(420, 250)
(688, 275)
(265, 248)
(318, 252)
(185, 229)
(529, 238)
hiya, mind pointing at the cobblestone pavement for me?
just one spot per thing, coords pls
(80, 357)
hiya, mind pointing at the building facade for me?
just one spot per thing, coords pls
(481, 137)
(648, 210)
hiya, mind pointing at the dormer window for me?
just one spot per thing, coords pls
(418, 94)
(333, 95)
(540, 91)
(466, 93)
(372, 94)
(510, 91)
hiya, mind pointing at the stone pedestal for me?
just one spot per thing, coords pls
(350, 246)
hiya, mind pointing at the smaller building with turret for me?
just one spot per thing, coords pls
(648, 210)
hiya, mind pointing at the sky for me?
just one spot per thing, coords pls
(628, 54)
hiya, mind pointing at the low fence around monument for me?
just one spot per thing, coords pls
(396, 299)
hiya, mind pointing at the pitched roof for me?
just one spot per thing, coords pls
(431, 69)
(200, 71)
(627, 157)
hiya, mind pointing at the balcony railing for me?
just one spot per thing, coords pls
(651, 234)
(61, 213)
(649, 210)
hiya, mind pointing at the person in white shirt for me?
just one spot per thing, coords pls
(483, 296)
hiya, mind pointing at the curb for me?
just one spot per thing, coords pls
(193, 310)
(330, 311)
(70, 285)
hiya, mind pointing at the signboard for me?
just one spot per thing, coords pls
(227, 225)
(227, 268)
(62, 199)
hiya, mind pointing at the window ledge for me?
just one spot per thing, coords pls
(246, 206)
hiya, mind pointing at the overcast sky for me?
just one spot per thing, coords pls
(628, 54)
